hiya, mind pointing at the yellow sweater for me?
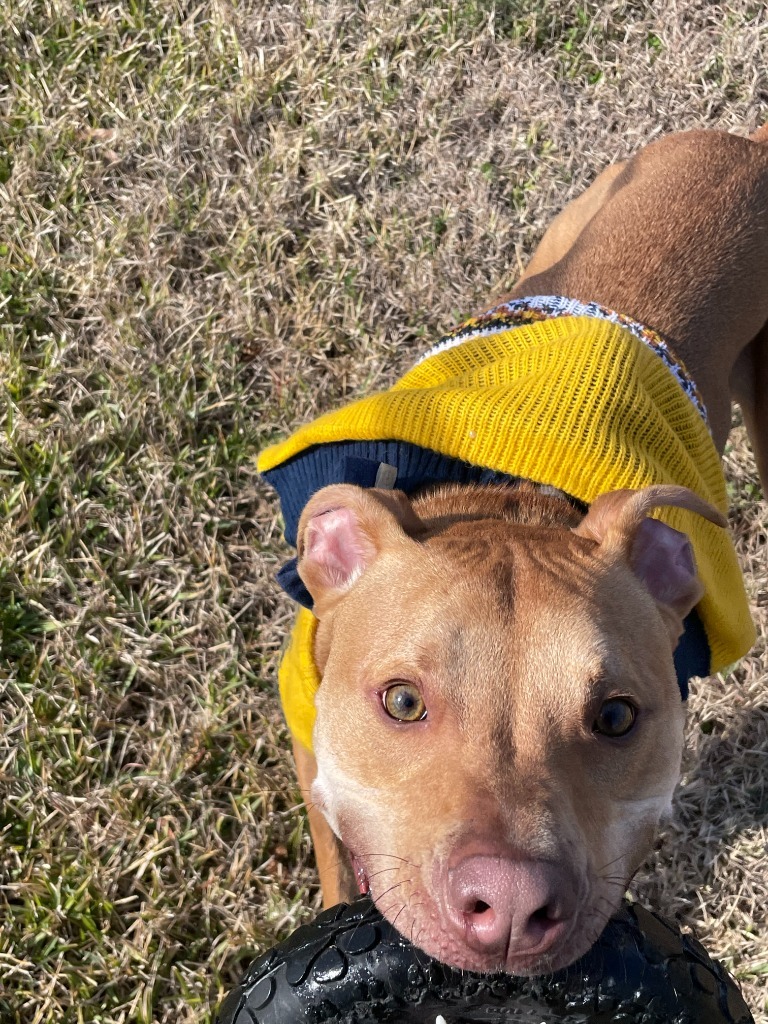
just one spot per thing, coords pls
(576, 403)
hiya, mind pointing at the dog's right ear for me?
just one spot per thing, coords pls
(342, 530)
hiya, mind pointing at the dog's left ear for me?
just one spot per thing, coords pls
(662, 558)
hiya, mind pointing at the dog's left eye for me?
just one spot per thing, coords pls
(615, 718)
(404, 702)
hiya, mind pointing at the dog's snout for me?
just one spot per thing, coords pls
(508, 907)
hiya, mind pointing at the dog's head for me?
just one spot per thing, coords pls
(499, 726)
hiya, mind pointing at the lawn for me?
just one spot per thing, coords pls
(216, 219)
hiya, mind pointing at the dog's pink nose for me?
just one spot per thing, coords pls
(509, 907)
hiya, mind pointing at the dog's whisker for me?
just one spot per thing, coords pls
(388, 911)
(394, 920)
(391, 889)
(615, 880)
(621, 856)
(393, 856)
(381, 871)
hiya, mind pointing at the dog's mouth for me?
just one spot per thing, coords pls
(361, 876)
(471, 952)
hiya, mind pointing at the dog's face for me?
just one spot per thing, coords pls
(499, 726)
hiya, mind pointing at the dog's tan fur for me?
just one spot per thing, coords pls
(512, 602)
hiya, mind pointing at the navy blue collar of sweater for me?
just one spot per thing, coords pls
(409, 468)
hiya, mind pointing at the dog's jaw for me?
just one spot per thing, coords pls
(410, 884)
(406, 871)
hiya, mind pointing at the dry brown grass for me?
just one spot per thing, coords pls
(215, 219)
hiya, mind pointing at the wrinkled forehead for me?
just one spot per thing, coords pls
(538, 612)
(464, 599)
(553, 644)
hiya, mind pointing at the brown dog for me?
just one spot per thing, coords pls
(499, 727)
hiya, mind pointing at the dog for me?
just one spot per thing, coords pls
(487, 697)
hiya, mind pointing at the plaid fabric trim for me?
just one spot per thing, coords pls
(519, 312)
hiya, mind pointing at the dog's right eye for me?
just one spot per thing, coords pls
(615, 718)
(404, 702)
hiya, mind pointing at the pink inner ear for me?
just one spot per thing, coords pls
(336, 546)
(663, 560)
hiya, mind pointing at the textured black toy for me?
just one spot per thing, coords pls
(352, 967)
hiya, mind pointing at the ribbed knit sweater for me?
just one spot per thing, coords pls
(575, 403)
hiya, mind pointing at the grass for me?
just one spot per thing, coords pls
(215, 220)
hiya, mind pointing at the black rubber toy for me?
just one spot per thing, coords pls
(352, 967)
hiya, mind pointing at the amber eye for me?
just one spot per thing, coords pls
(615, 718)
(404, 702)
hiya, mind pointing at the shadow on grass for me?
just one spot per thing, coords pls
(22, 627)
